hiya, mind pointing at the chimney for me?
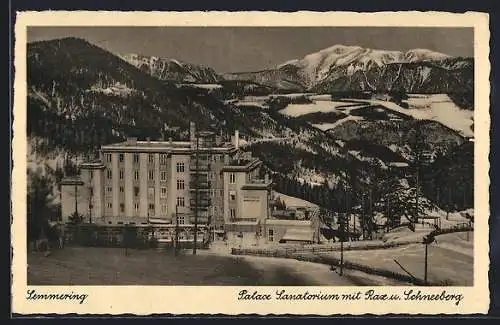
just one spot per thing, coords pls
(148, 139)
(236, 138)
(266, 178)
(170, 142)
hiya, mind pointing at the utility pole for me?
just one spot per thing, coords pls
(90, 209)
(427, 240)
(426, 258)
(342, 235)
(196, 195)
(76, 198)
(370, 213)
(417, 192)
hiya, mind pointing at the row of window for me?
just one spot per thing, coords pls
(136, 207)
(163, 190)
(151, 175)
(179, 167)
(163, 158)
(181, 202)
(151, 158)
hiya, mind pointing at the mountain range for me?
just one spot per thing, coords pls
(353, 68)
(338, 68)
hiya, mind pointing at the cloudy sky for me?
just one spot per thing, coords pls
(253, 48)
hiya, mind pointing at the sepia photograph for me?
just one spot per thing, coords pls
(254, 156)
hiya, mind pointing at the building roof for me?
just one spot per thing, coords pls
(287, 222)
(298, 235)
(256, 185)
(240, 165)
(163, 146)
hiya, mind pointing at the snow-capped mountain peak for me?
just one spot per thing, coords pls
(171, 69)
(417, 55)
(316, 66)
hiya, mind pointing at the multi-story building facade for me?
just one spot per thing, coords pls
(171, 182)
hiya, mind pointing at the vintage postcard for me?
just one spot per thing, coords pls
(250, 163)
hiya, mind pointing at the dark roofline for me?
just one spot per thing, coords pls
(256, 186)
(254, 163)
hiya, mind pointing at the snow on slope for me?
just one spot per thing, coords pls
(318, 106)
(328, 126)
(437, 107)
(417, 55)
(203, 86)
(315, 66)
(117, 89)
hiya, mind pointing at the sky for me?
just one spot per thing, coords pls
(239, 49)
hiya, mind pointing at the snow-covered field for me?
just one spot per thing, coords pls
(320, 97)
(328, 126)
(436, 107)
(323, 106)
(447, 267)
(204, 86)
(294, 95)
(259, 105)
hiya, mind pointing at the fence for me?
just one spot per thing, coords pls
(314, 255)
(131, 236)
(461, 227)
(291, 251)
(108, 236)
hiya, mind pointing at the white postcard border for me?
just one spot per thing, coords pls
(144, 300)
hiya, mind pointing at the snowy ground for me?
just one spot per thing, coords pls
(445, 266)
(203, 86)
(255, 104)
(328, 126)
(86, 266)
(436, 107)
(460, 242)
(313, 273)
(323, 106)
(293, 95)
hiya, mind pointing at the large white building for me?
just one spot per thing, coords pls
(169, 182)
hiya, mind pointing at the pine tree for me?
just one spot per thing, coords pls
(39, 202)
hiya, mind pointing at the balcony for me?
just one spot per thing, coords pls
(202, 219)
(201, 184)
(202, 166)
(202, 202)
(202, 211)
